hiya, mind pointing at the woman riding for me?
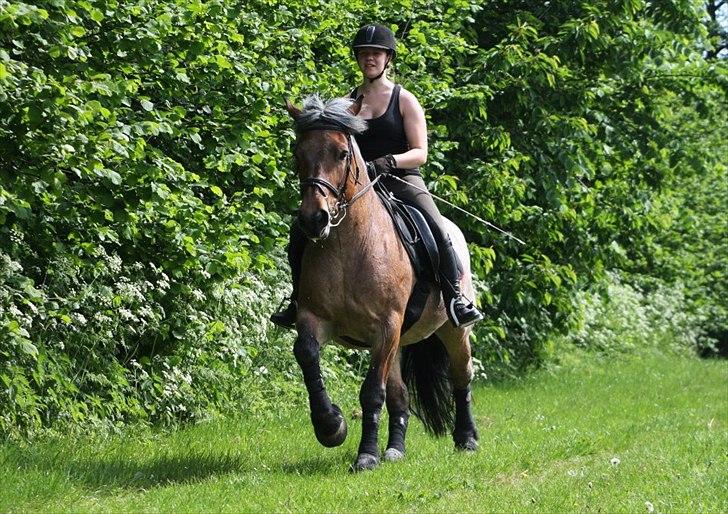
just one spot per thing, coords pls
(395, 143)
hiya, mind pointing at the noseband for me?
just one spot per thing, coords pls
(322, 184)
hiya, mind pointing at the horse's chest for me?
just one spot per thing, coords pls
(359, 283)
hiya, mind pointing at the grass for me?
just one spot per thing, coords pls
(607, 437)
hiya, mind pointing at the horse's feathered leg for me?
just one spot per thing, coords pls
(373, 394)
(328, 422)
(398, 410)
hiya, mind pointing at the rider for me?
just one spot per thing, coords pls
(395, 143)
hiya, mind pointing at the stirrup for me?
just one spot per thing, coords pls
(469, 313)
(285, 318)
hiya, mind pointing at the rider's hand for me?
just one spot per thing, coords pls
(385, 164)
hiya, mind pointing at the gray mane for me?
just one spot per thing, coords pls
(316, 112)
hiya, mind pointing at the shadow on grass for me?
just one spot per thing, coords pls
(326, 464)
(118, 472)
(108, 472)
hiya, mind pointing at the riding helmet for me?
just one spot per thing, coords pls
(377, 36)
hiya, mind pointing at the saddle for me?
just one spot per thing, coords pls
(421, 247)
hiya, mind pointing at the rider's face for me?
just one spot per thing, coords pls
(371, 61)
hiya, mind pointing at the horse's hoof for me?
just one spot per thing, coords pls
(468, 444)
(393, 455)
(364, 462)
(466, 439)
(330, 428)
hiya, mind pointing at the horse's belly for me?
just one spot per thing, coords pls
(432, 318)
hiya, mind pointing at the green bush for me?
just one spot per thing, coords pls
(619, 317)
(146, 185)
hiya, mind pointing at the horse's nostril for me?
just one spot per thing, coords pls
(314, 224)
(322, 218)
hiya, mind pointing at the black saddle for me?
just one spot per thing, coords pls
(420, 244)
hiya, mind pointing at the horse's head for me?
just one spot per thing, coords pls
(326, 159)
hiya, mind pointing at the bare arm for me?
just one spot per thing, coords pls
(415, 128)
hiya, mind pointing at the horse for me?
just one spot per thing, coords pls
(355, 283)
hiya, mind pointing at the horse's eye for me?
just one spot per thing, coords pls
(343, 155)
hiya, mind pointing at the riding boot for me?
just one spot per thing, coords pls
(460, 311)
(286, 318)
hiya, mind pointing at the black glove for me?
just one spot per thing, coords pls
(385, 164)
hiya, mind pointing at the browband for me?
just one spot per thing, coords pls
(326, 123)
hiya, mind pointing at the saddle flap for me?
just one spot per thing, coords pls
(425, 235)
(415, 235)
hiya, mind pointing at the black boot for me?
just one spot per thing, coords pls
(286, 318)
(460, 311)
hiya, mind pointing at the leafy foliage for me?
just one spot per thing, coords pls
(145, 185)
(624, 318)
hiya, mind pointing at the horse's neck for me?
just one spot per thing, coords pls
(364, 216)
(367, 212)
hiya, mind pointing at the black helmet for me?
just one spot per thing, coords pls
(376, 36)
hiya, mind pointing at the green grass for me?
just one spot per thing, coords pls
(547, 444)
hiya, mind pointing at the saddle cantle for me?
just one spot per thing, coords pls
(421, 247)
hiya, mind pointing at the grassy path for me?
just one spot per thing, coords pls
(607, 437)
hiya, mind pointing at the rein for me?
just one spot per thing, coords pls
(342, 203)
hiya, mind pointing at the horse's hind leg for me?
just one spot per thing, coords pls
(398, 410)
(457, 344)
(328, 422)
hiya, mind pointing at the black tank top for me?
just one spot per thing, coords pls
(385, 134)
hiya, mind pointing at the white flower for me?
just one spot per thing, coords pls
(80, 318)
(615, 461)
(650, 507)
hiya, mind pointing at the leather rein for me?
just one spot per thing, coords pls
(342, 203)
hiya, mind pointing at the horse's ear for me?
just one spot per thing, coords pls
(294, 111)
(356, 106)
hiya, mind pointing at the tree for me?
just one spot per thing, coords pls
(717, 24)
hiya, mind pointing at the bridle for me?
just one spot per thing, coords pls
(322, 185)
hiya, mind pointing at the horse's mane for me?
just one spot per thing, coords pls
(336, 112)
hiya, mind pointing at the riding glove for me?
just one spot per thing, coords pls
(384, 164)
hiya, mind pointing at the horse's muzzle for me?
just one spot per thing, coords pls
(317, 225)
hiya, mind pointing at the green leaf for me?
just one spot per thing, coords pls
(78, 31)
(28, 347)
(96, 15)
(114, 177)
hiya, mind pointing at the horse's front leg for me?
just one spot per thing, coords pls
(372, 396)
(328, 422)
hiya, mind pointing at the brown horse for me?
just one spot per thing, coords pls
(355, 284)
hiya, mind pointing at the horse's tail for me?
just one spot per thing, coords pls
(426, 371)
